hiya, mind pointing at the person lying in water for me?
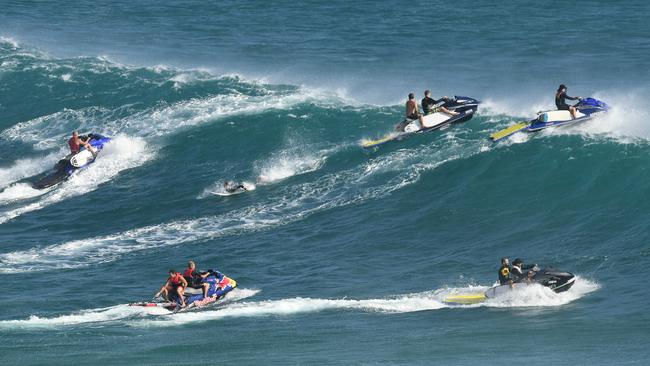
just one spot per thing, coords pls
(232, 187)
(75, 142)
(560, 100)
(429, 105)
(175, 284)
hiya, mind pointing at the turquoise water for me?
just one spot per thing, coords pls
(343, 256)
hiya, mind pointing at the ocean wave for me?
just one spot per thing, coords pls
(292, 203)
(121, 154)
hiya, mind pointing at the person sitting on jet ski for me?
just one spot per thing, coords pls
(428, 105)
(232, 187)
(560, 100)
(175, 284)
(504, 272)
(412, 113)
(75, 143)
(195, 279)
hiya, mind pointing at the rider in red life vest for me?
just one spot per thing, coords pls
(194, 278)
(176, 283)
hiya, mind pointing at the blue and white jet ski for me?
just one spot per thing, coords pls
(220, 285)
(67, 166)
(465, 106)
(586, 109)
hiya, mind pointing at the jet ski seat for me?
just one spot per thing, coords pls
(555, 116)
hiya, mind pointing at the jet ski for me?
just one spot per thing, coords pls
(586, 109)
(67, 166)
(556, 280)
(465, 106)
(220, 285)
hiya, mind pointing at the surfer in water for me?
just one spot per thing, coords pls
(232, 187)
(560, 100)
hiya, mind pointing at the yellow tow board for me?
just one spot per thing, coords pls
(372, 143)
(467, 299)
(509, 131)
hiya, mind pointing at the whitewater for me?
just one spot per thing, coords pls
(342, 255)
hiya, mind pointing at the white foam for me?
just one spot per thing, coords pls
(294, 160)
(112, 314)
(18, 192)
(530, 297)
(120, 154)
(24, 168)
(291, 203)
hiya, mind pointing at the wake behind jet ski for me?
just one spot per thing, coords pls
(74, 161)
(463, 106)
(585, 110)
(515, 277)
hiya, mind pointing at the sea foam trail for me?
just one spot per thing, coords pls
(532, 297)
(120, 154)
(24, 168)
(112, 314)
(352, 186)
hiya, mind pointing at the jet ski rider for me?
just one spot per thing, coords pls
(194, 278)
(560, 100)
(75, 143)
(412, 113)
(175, 284)
(428, 105)
(504, 272)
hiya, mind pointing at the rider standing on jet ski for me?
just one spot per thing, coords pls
(560, 101)
(428, 105)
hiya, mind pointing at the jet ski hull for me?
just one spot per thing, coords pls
(558, 281)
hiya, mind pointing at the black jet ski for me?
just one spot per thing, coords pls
(67, 166)
(556, 280)
(465, 106)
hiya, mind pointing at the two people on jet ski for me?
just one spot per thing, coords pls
(75, 142)
(560, 100)
(508, 275)
(428, 106)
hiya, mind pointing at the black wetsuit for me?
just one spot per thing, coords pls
(230, 188)
(504, 275)
(560, 101)
(428, 105)
(516, 273)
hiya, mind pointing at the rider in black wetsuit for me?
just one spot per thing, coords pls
(560, 100)
(504, 272)
(428, 104)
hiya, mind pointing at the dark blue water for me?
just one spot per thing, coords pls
(342, 255)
